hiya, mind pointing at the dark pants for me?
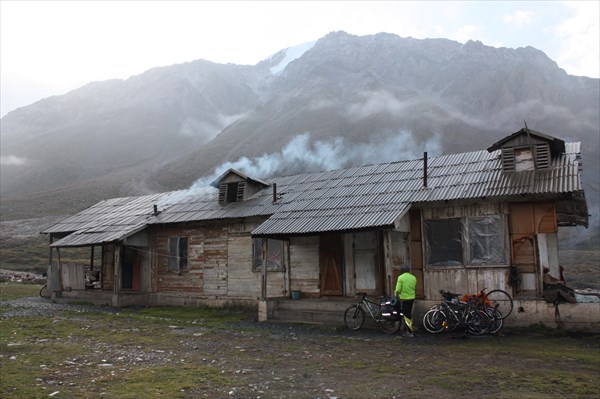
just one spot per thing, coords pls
(406, 306)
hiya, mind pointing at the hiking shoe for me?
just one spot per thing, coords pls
(407, 334)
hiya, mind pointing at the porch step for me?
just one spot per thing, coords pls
(318, 311)
(327, 317)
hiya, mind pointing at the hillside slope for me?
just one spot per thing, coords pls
(342, 101)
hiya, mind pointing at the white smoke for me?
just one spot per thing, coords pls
(378, 102)
(301, 155)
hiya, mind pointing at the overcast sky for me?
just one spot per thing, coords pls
(49, 47)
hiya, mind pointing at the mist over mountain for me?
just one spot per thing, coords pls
(341, 101)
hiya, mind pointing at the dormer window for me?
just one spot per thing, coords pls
(234, 186)
(517, 159)
(528, 150)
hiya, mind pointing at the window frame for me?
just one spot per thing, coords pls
(502, 222)
(467, 245)
(261, 245)
(428, 236)
(180, 259)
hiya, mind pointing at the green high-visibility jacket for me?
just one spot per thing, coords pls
(405, 286)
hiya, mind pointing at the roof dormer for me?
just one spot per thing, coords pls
(234, 186)
(528, 150)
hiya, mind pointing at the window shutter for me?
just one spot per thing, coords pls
(240, 190)
(222, 192)
(542, 156)
(508, 159)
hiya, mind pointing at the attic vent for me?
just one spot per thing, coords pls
(523, 158)
(542, 156)
(508, 159)
(231, 192)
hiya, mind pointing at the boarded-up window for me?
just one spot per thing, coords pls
(274, 254)
(444, 242)
(524, 159)
(487, 240)
(178, 254)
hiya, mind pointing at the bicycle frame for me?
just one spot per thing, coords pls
(354, 316)
(373, 307)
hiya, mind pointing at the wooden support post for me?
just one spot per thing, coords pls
(92, 259)
(58, 287)
(117, 275)
(50, 241)
(264, 269)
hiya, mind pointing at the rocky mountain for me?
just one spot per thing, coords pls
(343, 100)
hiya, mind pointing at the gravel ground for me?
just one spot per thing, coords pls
(249, 359)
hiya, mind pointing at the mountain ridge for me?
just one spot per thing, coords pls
(362, 98)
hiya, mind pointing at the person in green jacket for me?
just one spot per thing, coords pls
(405, 291)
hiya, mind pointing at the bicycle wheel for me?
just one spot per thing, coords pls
(502, 299)
(354, 317)
(44, 292)
(478, 322)
(434, 321)
(390, 326)
(498, 320)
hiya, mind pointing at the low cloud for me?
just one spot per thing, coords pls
(377, 102)
(519, 18)
(12, 160)
(464, 33)
(578, 37)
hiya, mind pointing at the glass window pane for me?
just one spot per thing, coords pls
(444, 242)
(274, 255)
(172, 263)
(183, 252)
(257, 265)
(487, 240)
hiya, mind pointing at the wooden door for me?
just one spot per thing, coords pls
(331, 262)
(368, 265)
(130, 269)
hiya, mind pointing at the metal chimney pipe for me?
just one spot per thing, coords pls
(274, 192)
(155, 209)
(425, 169)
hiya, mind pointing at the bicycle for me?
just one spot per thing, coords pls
(45, 292)
(384, 311)
(472, 312)
(500, 300)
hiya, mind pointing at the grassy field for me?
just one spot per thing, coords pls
(81, 351)
(31, 255)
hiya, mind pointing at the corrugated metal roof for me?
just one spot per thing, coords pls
(344, 199)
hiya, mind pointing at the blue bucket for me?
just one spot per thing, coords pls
(295, 294)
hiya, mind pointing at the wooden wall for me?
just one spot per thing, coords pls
(207, 260)
(304, 265)
(463, 280)
(220, 261)
(108, 267)
(73, 276)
